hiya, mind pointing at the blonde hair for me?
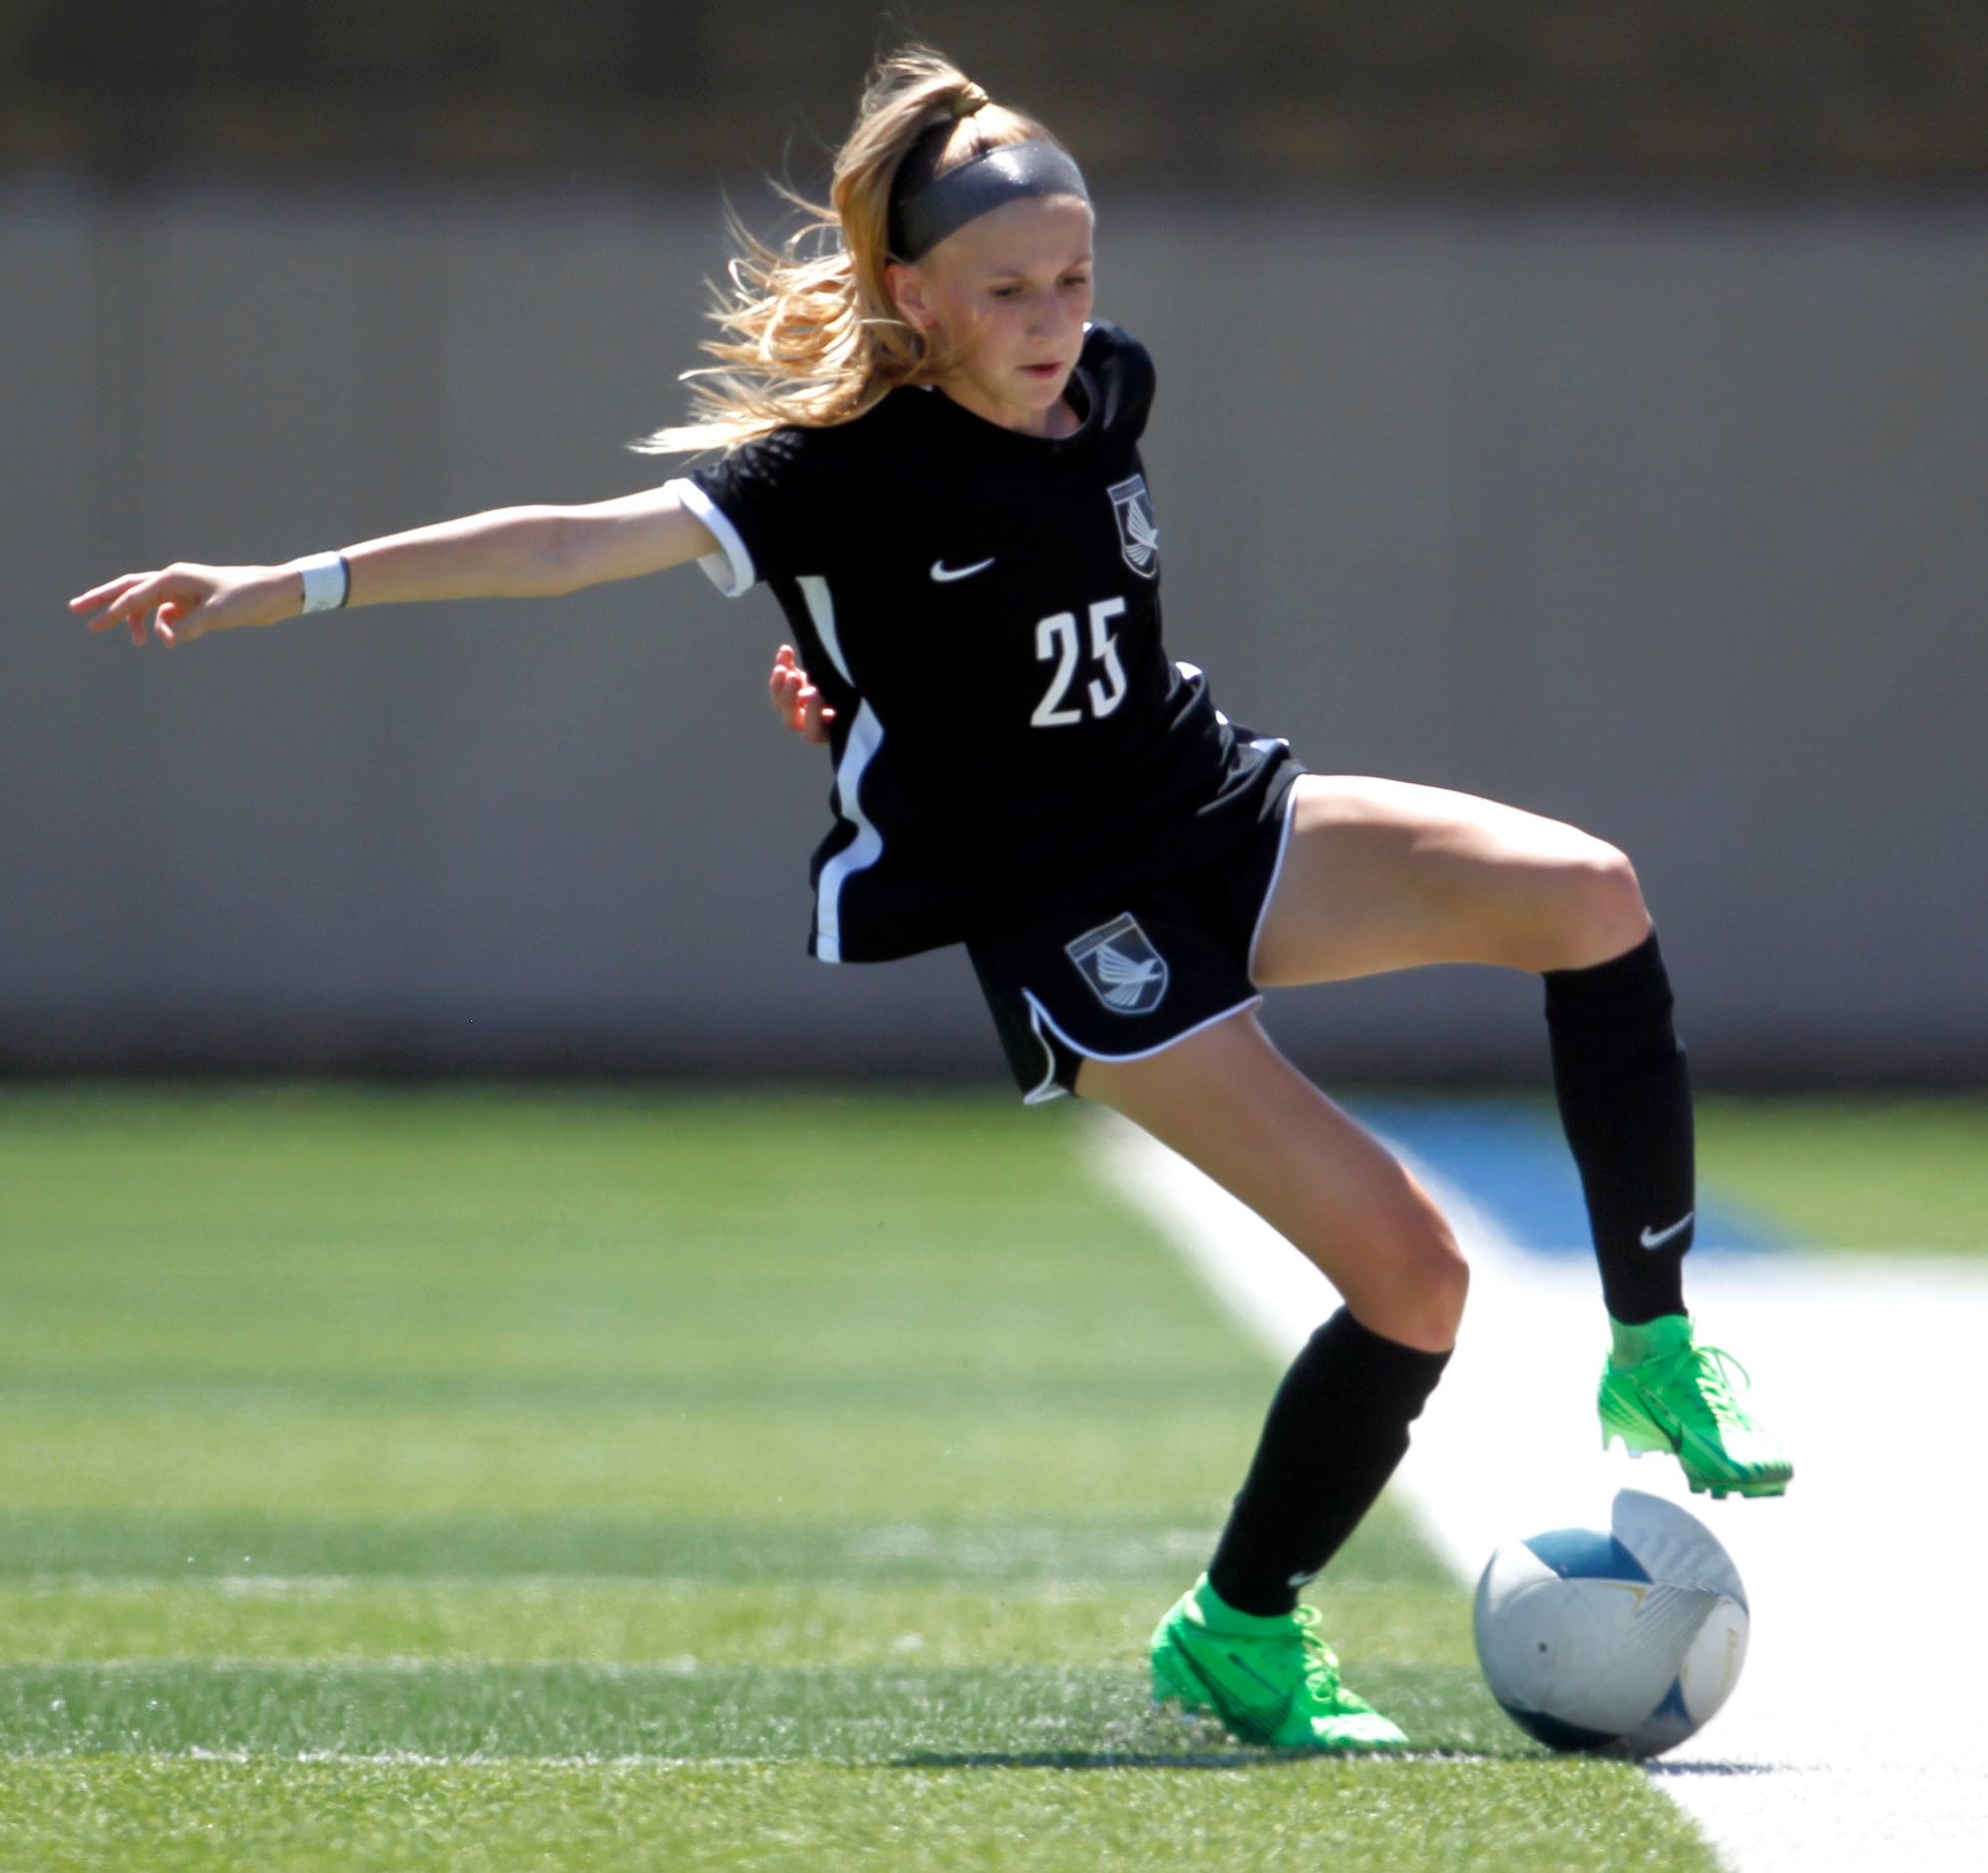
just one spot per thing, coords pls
(814, 337)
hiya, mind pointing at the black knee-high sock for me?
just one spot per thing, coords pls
(1625, 1099)
(1335, 1430)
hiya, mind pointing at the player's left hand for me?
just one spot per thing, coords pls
(796, 701)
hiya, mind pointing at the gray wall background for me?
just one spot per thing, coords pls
(1665, 520)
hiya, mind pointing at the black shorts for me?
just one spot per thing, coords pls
(1124, 978)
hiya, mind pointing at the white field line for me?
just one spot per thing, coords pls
(1859, 1737)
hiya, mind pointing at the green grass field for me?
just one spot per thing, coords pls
(1898, 1172)
(482, 1481)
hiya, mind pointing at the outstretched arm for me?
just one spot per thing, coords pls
(508, 552)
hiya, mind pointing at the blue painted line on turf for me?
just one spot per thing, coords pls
(1510, 1158)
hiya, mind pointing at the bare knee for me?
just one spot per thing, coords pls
(1597, 908)
(1416, 1287)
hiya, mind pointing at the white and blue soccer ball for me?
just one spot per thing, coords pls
(1628, 1637)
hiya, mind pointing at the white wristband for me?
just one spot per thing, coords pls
(327, 580)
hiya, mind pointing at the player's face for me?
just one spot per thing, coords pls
(1012, 290)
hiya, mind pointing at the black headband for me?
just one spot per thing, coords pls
(963, 194)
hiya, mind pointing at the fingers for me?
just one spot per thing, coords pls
(127, 600)
(803, 710)
(103, 594)
(175, 601)
(780, 681)
(816, 718)
(790, 692)
(786, 687)
(796, 701)
(114, 597)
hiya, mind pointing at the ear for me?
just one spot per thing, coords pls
(905, 285)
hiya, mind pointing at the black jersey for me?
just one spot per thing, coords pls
(982, 609)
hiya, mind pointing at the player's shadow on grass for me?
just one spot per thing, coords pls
(1086, 1760)
(1181, 1758)
(1712, 1768)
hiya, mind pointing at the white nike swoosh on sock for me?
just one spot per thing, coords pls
(1656, 1238)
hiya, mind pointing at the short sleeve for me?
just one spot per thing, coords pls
(731, 569)
(1127, 380)
(766, 505)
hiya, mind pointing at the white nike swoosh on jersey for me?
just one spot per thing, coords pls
(944, 574)
(1656, 1238)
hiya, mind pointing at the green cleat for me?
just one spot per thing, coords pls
(1661, 1391)
(1269, 1681)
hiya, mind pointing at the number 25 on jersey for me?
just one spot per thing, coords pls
(1056, 642)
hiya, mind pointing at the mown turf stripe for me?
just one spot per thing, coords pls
(162, 1816)
(624, 1622)
(1071, 1715)
(122, 1545)
(653, 1389)
(719, 1548)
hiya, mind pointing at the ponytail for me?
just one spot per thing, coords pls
(813, 336)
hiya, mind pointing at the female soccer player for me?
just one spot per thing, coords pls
(931, 455)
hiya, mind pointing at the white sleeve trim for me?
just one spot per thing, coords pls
(730, 568)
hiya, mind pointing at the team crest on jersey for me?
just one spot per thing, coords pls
(1124, 970)
(1138, 530)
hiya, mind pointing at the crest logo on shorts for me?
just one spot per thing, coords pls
(1124, 970)
(1138, 528)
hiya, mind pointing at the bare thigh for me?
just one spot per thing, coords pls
(1229, 1102)
(1384, 874)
